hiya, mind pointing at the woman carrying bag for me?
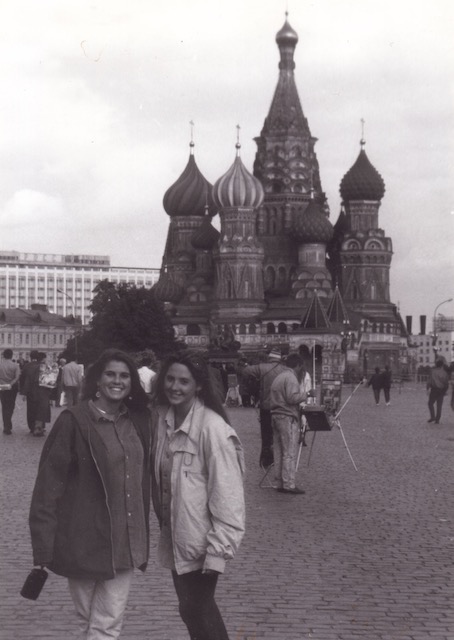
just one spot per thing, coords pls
(90, 505)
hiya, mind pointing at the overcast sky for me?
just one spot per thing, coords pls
(97, 97)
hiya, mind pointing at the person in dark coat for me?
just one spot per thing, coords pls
(386, 384)
(90, 505)
(437, 386)
(29, 388)
(376, 382)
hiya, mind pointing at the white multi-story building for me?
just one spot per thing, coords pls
(424, 345)
(64, 283)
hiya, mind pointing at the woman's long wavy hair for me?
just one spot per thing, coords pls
(201, 374)
(137, 399)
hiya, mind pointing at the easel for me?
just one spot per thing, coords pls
(318, 419)
(326, 423)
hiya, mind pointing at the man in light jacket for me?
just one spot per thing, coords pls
(72, 380)
(285, 399)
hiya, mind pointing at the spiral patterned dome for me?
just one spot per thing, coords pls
(362, 181)
(167, 290)
(286, 35)
(312, 226)
(238, 187)
(206, 236)
(190, 193)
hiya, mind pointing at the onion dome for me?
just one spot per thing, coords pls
(286, 35)
(190, 193)
(238, 187)
(167, 290)
(362, 181)
(312, 226)
(206, 236)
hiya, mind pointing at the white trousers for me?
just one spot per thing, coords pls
(100, 605)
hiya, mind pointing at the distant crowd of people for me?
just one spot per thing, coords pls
(132, 435)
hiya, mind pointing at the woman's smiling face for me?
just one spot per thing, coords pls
(180, 387)
(114, 384)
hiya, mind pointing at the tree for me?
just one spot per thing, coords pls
(126, 317)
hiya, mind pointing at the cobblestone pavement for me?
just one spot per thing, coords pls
(365, 554)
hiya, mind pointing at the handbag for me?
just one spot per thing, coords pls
(34, 584)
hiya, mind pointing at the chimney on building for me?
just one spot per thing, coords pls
(408, 320)
(422, 322)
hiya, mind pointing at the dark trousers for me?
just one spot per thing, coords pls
(376, 394)
(198, 609)
(8, 400)
(32, 407)
(387, 392)
(436, 398)
(266, 432)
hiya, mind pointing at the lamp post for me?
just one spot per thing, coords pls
(74, 316)
(435, 336)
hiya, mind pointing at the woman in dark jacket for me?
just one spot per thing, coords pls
(90, 505)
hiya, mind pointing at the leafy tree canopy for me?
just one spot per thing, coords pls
(126, 317)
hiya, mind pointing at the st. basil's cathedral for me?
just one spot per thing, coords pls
(279, 274)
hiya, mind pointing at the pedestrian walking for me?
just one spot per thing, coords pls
(264, 373)
(29, 388)
(47, 381)
(386, 384)
(376, 382)
(90, 505)
(286, 396)
(197, 487)
(72, 380)
(9, 379)
(437, 386)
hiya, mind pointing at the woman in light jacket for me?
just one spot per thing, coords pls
(197, 489)
(90, 505)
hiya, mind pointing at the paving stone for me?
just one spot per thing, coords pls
(365, 554)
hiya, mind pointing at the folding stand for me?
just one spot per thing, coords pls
(319, 420)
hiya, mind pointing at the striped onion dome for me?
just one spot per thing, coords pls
(362, 181)
(190, 193)
(167, 290)
(312, 226)
(206, 236)
(238, 187)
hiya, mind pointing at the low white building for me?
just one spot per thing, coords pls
(25, 330)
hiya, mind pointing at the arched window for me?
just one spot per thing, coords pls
(193, 330)
(281, 277)
(270, 328)
(282, 327)
(252, 330)
(242, 329)
(270, 278)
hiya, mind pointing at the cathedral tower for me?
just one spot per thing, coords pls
(287, 167)
(365, 252)
(239, 254)
(186, 202)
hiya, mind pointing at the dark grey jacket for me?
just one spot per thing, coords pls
(69, 517)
